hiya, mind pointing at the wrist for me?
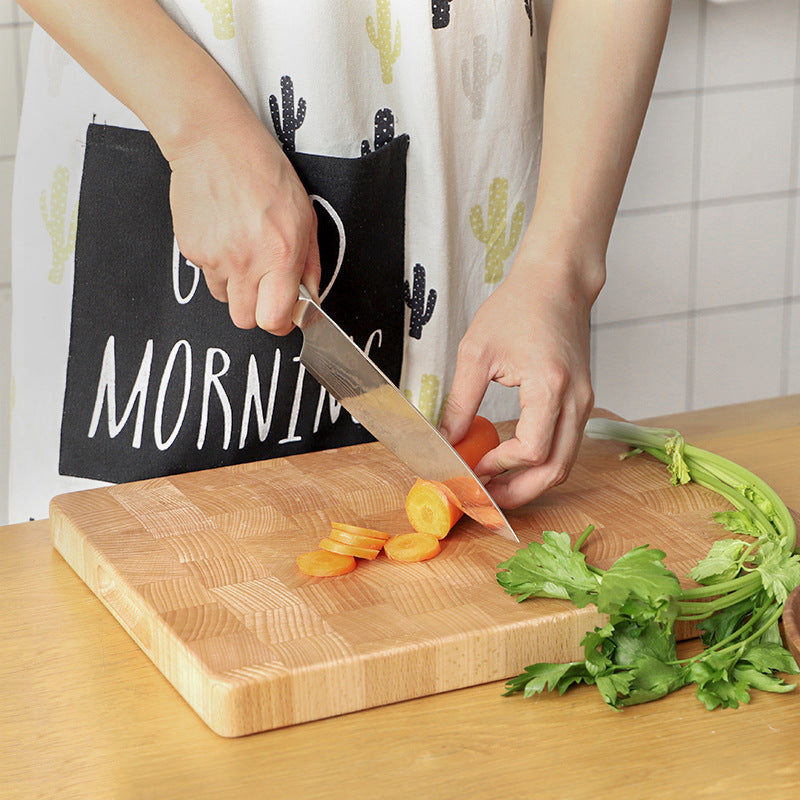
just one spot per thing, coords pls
(209, 108)
(557, 260)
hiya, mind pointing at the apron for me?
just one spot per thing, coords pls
(416, 129)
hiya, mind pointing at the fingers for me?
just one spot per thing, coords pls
(528, 480)
(467, 389)
(241, 213)
(555, 405)
(263, 291)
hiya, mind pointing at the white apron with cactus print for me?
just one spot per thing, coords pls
(416, 128)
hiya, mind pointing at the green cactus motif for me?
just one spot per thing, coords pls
(380, 36)
(61, 232)
(222, 16)
(428, 401)
(492, 232)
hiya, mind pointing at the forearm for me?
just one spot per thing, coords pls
(140, 55)
(602, 61)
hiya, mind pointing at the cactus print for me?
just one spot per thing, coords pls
(292, 119)
(222, 17)
(60, 230)
(384, 130)
(482, 74)
(380, 35)
(440, 13)
(529, 12)
(428, 401)
(492, 230)
(420, 305)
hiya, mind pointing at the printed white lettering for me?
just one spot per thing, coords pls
(211, 378)
(337, 221)
(106, 389)
(161, 443)
(252, 397)
(176, 282)
(291, 436)
(376, 334)
(334, 407)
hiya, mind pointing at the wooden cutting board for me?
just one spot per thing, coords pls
(200, 570)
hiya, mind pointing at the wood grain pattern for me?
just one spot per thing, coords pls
(200, 570)
(791, 623)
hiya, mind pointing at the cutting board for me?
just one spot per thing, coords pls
(200, 570)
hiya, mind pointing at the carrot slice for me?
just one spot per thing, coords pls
(324, 564)
(348, 549)
(431, 508)
(355, 529)
(356, 539)
(412, 547)
(481, 437)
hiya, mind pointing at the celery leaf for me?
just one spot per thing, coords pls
(723, 562)
(549, 569)
(639, 585)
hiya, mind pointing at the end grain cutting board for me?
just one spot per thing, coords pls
(200, 570)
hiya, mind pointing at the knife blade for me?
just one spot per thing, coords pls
(354, 380)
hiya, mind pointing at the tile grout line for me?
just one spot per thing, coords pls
(712, 202)
(791, 230)
(691, 318)
(711, 311)
(774, 83)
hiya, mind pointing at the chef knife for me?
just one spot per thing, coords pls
(351, 377)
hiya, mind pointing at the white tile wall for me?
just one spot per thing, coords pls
(708, 232)
(642, 359)
(793, 360)
(746, 141)
(702, 304)
(664, 156)
(743, 45)
(738, 355)
(650, 253)
(746, 242)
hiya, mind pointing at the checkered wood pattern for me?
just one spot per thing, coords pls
(200, 570)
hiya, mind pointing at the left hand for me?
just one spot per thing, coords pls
(533, 333)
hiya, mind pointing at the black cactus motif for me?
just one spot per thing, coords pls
(421, 307)
(291, 120)
(529, 12)
(384, 130)
(440, 13)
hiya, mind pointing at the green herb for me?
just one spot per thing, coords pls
(744, 583)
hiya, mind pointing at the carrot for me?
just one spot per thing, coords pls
(481, 437)
(333, 546)
(434, 507)
(412, 547)
(356, 539)
(324, 564)
(355, 529)
(431, 508)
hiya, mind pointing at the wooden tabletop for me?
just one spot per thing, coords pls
(85, 714)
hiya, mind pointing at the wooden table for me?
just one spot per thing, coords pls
(84, 714)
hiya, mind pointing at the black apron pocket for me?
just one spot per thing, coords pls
(159, 380)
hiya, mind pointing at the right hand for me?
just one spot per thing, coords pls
(241, 214)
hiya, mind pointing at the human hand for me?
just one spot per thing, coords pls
(241, 214)
(533, 333)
